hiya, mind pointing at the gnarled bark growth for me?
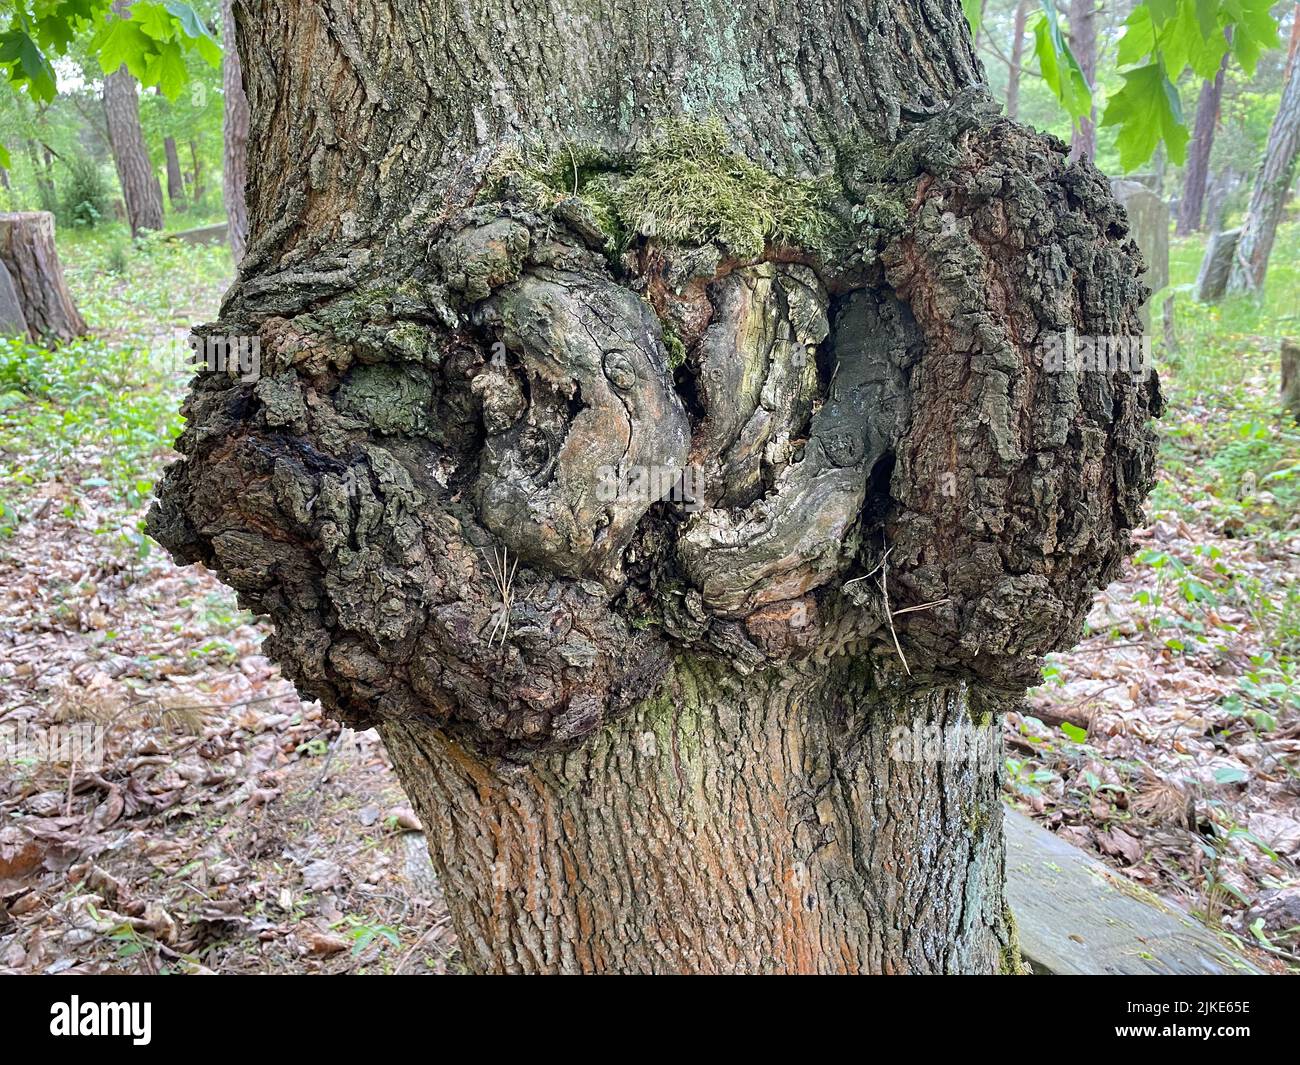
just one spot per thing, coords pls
(599, 469)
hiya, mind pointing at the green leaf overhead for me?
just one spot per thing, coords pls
(1162, 41)
(1147, 110)
(1060, 68)
(27, 64)
(151, 42)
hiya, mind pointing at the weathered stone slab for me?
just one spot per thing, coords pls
(1212, 281)
(213, 234)
(1078, 917)
(1148, 217)
(12, 320)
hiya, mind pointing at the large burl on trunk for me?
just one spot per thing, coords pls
(654, 439)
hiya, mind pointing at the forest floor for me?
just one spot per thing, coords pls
(226, 826)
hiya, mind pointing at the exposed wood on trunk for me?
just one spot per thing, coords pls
(28, 253)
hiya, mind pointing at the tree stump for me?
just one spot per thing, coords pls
(29, 255)
(12, 320)
(1291, 377)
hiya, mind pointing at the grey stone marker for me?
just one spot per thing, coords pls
(1148, 217)
(1212, 281)
(12, 320)
(213, 234)
(1077, 916)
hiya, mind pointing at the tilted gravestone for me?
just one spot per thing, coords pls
(12, 320)
(1212, 281)
(1148, 217)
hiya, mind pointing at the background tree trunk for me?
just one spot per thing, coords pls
(28, 253)
(42, 171)
(1198, 155)
(1016, 66)
(197, 184)
(175, 180)
(1290, 362)
(1083, 42)
(1268, 197)
(141, 191)
(650, 733)
(235, 127)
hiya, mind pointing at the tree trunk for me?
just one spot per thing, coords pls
(28, 253)
(1083, 41)
(175, 181)
(1290, 360)
(1293, 44)
(727, 826)
(141, 191)
(197, 186)
(1016, 66)
(644, 442)
(42, 172)
(235, 166)
(1198, 155)
(1268, 197)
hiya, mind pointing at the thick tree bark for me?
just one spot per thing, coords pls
(726, 826)
(638, 473)
(1016, 66)
(141, 191)
(1268, 197)
(235, 137)
(1197, 172)
(1083, 42)
(28, 253)
(175, 181)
